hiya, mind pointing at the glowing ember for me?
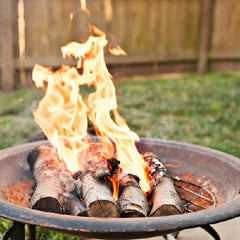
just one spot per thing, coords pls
(63, 114)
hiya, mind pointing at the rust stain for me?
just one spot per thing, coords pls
(19, 194)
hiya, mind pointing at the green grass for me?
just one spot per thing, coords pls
(200, 110)
(16, 121)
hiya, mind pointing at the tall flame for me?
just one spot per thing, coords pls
(63, 114)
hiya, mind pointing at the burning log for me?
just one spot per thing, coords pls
(73, 205)
(52, 179)
(96, 191)
(132, 201)
(165, 200)
(98, 197)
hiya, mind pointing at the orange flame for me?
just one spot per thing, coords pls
(83, 5)
(115, 186)
(71, 16)
(117, 51)
(63, 114)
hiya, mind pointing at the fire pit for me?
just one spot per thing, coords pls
(219, 172)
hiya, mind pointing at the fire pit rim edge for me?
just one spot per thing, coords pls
(174, 223)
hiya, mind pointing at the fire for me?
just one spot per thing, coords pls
(83, 5)
(63, 114)
(117, 51)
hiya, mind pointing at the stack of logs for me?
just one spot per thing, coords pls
(89, 193)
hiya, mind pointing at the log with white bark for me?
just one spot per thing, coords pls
(96, 190)
(52, 178)
(164, 198)
(132, 201)
(98, 197)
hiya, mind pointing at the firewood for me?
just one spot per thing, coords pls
(98, 197)
(95, 190)
(164, 198)
(132, 201)
(78, 184)
(103, 167)
(72, 205)
(52, 179)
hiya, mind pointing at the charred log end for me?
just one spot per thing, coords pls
(132, 201)
(165, 199)
(131, 214)
(165, 210)
(98, 198)
(103, 209)
(47, 204)
(132, 210)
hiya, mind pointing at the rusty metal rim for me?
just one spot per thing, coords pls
(121, 228)
(92, 225)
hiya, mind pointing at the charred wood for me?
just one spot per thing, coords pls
(132, 201)
(52, 179)
(72, 205)
(164, 198)
(103, 167)
(78, 184)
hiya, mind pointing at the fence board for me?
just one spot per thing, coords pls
(152, 25)
(206, 23)
(6, 41)
(142, 27)
(119, 19)
(58, 17)
(226, 31)
(151, 31)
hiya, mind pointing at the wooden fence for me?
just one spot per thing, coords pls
(158, 35)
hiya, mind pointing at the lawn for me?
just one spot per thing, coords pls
(200, 110)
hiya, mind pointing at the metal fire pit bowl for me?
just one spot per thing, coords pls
(221, 169)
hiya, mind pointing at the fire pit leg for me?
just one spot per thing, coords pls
(15, 232)
(18, 231)
(211, 231)
(32, 232)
